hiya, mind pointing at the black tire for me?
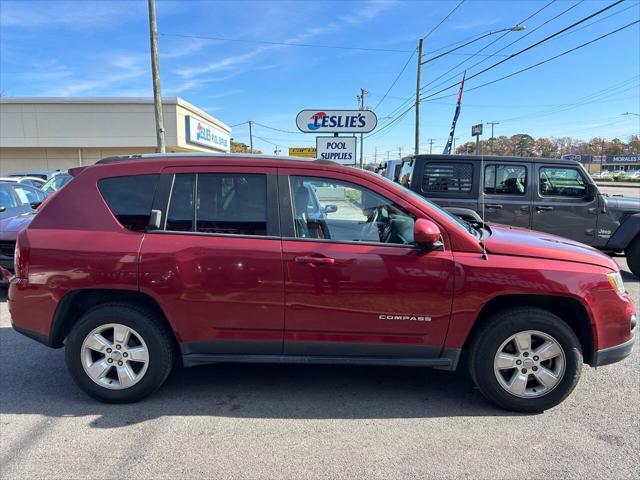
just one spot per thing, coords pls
(502, 326)
(154, 333)
(633, 256)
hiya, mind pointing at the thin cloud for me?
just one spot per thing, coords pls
(75, 15)
(364, 14)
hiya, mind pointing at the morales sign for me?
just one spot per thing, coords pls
(202, 133)
(336, 121)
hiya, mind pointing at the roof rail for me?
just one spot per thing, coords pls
(149, 156)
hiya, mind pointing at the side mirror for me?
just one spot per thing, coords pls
(35, 205)
(330, 208)
(592, 191)
(2, 208)
(427, 234)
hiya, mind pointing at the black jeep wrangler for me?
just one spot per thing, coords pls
(550, 195)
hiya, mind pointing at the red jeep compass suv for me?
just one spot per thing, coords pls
(228, 258)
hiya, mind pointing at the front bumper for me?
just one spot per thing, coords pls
(616, 353)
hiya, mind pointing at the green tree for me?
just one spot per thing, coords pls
(522, 145)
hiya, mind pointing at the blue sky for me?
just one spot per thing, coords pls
(86, 48)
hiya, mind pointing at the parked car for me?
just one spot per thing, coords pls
(390, 169)
(31, 181)
(42, 174)
(56, 183)
(9, 228)
(550, 195)
(17, 198)
(215, 259)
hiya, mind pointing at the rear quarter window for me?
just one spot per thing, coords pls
(447, 178)
(130, 199)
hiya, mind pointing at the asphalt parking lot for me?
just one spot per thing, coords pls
(263, 421)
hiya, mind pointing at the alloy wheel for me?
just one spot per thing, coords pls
(529, 364)
(114, 356)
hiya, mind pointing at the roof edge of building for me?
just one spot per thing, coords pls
(117, 100)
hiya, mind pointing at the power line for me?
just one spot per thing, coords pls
(277, 129)
(488, 45)
(443, 20)
(285, 44)
(519, 39)
(396, 80)
(526, 49)
(545, 61)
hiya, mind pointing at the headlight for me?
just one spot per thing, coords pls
(615, 279)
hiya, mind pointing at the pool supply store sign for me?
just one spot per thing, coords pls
(336, 121)
(337, 149)
(205, 134)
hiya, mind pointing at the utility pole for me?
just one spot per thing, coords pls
(400, 153)
(417, 139)
(431, 146)
(492, 124)
(250, 136)
(155, 73)
(360, 97)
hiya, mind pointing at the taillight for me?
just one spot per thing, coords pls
(21, 255)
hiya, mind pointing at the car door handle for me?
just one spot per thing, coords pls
(524, 208)
(493, 205)
(315, 260)
(544, 209)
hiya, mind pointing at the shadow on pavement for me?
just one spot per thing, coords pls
(34, 380)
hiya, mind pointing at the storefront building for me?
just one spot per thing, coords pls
(613, 163)
(59, 133)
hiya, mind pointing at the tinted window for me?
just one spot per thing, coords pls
(180, 215)
(505, 179)
(6, 197)
(56, 183)
(130, 199)
(29, 195)
(561, 182)
(231, 203)
(447, 178)
(347, 212)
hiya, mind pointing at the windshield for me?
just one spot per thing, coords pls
(56, 183)
(466, 226)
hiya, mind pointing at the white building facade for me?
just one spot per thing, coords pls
(59, 133)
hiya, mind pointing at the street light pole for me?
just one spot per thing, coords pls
(517, 28)
(416, 149)
(155, 73)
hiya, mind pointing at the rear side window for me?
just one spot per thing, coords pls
(225, 203)
(447, 178)
(231, 203)
(561, 182)
(505, 179)
(129, 199)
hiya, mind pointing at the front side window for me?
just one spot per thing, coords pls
(447, 178)
(225, 203)
(329, 209)
(561, 182)
(130, 199)
(505, 179)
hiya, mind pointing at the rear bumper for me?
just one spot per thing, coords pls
(616, 353)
